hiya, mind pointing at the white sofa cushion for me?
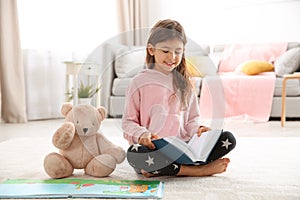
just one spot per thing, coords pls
(129, 60)
(120, 86)
(197, 84)
(292, 87)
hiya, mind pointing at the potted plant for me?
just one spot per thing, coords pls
(84, 93)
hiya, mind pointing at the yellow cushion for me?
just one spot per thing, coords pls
(254, 67)
(192, 69)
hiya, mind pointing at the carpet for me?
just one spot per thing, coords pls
(260, 168)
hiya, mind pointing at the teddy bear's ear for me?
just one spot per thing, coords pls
(66, 108)
(102, 112)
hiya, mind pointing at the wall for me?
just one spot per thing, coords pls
(66, 25)
(218, 21)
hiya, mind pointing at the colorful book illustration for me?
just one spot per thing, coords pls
(196, 151)
(81, 188)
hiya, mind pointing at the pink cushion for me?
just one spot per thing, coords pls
(236, 54)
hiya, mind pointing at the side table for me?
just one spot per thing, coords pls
(283, 95)
(86, 69)
(72, 70)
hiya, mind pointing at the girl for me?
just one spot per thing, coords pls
(160, 102)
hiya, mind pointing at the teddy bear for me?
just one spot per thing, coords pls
(81, 146)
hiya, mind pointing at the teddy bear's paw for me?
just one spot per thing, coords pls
(101, 166)
(57, 166)
(119, 154)
(64, 135)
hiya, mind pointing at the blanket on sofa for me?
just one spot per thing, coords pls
(236, 54)
(244, 96)
(232, 95)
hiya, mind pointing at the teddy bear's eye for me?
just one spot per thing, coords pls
(77, 122)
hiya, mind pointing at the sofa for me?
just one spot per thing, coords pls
(287, 63)
(122, 62)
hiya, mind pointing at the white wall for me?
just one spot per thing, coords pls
(66, 25)
(219, 21)
(81, 25)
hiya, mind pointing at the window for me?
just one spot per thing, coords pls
(66, 25)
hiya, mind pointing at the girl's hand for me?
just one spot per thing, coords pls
(146, 139)
(202, 129)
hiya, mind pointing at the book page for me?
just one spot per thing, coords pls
(202, 146)
(182, 146)
(81, 188)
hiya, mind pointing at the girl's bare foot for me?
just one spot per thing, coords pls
(215, 167)
(147, 174)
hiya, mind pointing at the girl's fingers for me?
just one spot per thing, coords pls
(154, 137)
(147, 142)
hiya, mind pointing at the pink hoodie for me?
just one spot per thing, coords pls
(151, 107)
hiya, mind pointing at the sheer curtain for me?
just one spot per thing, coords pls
(45, 83)
(12, 90)
(133, 21)
(55, 31)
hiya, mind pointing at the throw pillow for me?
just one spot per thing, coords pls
(192, 69)
(129, 60)
(203, 65)
(288, 62)
(254, 67)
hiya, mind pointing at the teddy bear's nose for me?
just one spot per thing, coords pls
(85, 130)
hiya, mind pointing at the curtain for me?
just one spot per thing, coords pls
(44, 82)
(12, 90)
(133, 21)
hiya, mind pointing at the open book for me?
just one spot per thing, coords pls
(81, 188)
(196, 151)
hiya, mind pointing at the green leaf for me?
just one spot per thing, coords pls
(87, 91)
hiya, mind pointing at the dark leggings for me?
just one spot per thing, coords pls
(152, 161)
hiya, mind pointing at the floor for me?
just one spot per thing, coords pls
(238, 127)
(263, 165)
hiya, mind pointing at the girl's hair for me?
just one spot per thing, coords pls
(167, 30)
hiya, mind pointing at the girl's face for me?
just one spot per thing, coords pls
(167, 54)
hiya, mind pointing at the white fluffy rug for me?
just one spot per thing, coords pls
(260, 168)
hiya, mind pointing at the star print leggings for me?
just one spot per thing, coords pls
(152, 161)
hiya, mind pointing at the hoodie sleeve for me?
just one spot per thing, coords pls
(193, 116)
(132, 129)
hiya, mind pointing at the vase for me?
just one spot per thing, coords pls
(85, 101)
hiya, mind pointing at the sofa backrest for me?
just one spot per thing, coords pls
(219, 48)
(218, 51)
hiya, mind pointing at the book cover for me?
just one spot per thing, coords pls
(81, 188)
(196, 151)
